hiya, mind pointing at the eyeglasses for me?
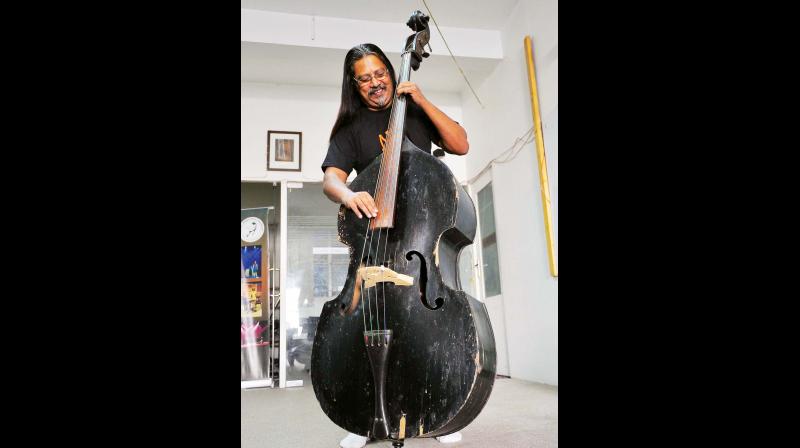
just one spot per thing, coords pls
(378, 74)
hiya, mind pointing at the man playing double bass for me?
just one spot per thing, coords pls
(368, 88)
(368, 92)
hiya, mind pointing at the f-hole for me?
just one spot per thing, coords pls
(423, 282)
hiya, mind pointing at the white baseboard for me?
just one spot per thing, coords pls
(256, 383)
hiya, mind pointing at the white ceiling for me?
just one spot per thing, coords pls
(285, 64)
(303, 65)
(480, 14)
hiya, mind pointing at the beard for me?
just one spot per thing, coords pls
(379, 90)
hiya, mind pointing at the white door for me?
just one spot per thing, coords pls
(487, 267)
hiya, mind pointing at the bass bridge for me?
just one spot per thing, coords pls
(373, 275)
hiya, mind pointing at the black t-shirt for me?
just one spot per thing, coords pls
(357, 144)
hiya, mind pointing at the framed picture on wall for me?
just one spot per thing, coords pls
(284, 150)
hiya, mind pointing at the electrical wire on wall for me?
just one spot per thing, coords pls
(507, 155)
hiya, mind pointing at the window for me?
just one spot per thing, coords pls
(330, 271)
(491, 268)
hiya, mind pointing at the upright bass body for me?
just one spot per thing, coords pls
(439, 368)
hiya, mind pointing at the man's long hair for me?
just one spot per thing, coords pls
(351, 100)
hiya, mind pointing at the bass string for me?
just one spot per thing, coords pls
(383, 285)
(368, 239)
(395, 145)
(389, 177)
(368, 234)
(385, 177)
(397, 141)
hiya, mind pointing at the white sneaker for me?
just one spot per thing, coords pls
(353, 441)
(450, 438)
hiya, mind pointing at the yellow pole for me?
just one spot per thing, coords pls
(545, 188)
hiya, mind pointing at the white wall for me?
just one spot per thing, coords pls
(307, 109)
(529, 293)
(312, 111)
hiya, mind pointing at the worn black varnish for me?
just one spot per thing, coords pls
(441, 362)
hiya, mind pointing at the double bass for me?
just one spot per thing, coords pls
(402, 351)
